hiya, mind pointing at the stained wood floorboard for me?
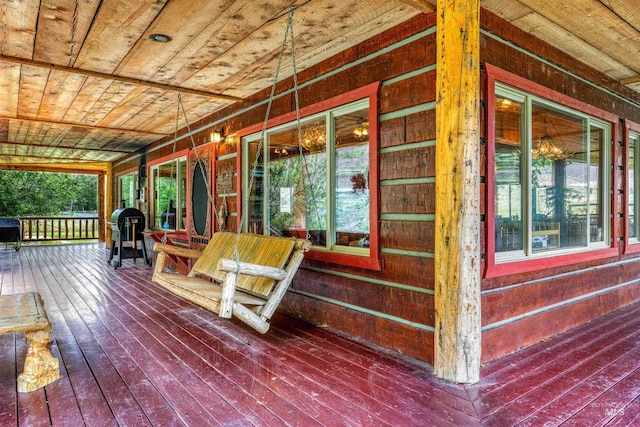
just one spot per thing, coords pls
(133, 354)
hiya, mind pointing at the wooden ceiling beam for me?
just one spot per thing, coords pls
(81, 125)
(66, 147)
(123, 79)
(630, 80)
(87, 168)
(421, 5)
(75, 160)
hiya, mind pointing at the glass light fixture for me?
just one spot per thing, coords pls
(362, 130)
(217, 136)
(314, 137)
(546, 148)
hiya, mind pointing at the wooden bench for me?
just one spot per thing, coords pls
(250, 289)
(25, 313)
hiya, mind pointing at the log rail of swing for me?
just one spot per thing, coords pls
(36, 229)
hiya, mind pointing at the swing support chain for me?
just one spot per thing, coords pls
(305, 178)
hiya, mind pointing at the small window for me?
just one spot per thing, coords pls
(127, 190)
(169, 191)
(551, 179)
(319, 187)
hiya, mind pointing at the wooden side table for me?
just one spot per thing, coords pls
(25, 313)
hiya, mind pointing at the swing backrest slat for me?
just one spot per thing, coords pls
(253, 248)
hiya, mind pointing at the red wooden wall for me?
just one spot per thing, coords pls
(394, 307)
(521, 309)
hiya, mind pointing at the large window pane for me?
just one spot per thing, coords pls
(256, 196)
(315, 180)
(551, 180)
(559, 182)
(315, 183)
(128, 185)
(169, 191)
(508, 185)
(352, 180)
(596, 176)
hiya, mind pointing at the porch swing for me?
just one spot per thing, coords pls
(239, 274)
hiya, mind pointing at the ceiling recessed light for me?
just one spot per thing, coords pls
(160, 38)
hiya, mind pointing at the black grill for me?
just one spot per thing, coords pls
(127, 239)
(10, 231)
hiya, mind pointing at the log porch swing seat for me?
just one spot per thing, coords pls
(238, 274)
(250, 291)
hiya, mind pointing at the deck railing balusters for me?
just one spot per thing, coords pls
(67, 228)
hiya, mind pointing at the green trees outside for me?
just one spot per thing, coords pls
(24, 193)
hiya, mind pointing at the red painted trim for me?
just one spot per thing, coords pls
(370, 263)
(490, 173)
(212, 180)
(493, 269)
(127, 171)
(149, 200)
(117, 183)
(190, 173)
(629, 248)
(614, 182)
(374, 187)
(370, 91)
(167, 158)
(551, 261)
(498, 74)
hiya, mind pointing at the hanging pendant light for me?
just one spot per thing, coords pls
(314, 137)
(362, 130)
(546, 148)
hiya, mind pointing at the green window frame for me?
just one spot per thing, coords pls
(169, 195)
(127, 190)
(546, 203)
(324, 195)
(633, 187)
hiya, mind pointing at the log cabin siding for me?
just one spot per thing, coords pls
(392, 307)
(521, 309)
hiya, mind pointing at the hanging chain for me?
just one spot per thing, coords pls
(263, 132)
(173, 157)
(302, 158)
(198, 161)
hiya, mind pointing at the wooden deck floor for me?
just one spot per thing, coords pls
(132, 354)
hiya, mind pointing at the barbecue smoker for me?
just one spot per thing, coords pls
(10, 232)
(127, 240)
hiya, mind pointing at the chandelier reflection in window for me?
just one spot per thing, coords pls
(314, 137)
(546, 148)
(362, 130)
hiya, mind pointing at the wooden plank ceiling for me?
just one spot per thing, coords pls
(81, 82)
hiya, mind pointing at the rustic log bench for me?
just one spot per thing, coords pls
(25, 313)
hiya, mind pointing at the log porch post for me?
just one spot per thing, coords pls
(457, 235)
(108, 204)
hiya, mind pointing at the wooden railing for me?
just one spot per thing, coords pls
(36, 229)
